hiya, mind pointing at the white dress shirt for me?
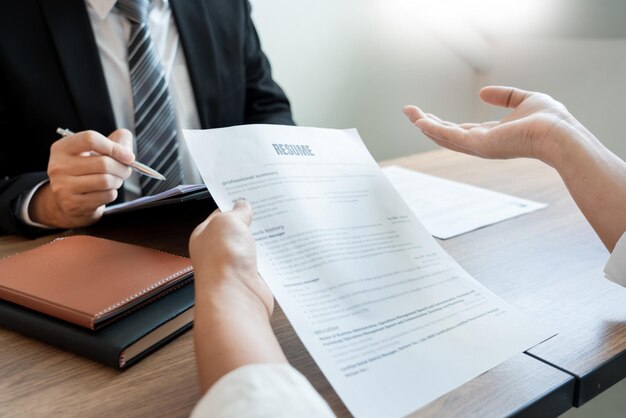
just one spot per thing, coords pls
(262, 391)
(112, 31)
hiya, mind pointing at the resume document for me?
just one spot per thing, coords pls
(390, 318)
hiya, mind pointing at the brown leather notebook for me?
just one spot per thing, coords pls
(89, 281)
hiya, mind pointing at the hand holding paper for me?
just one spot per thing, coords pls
(233, 304)
(390, 318)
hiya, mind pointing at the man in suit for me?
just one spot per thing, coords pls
(93, 66)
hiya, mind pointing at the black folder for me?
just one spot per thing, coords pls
(118, 345)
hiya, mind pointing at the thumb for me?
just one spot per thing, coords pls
(243, 211)
(503, 96)
(124, 139)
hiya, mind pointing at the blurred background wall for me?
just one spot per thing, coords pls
(355, 63)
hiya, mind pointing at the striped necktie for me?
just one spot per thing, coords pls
(155, 123)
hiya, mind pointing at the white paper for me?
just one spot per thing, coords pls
(147, 200)
(392, 321)
(448, 208)
(615, 269)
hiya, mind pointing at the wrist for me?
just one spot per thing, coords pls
(570, 142)
(42, 208)
(225, 293)
(45, 209)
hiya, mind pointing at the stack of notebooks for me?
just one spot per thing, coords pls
(108, 301)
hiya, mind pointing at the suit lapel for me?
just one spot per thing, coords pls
(76, 48)
(79, 58)
(194, 26)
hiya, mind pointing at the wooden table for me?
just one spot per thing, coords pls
(549, 264)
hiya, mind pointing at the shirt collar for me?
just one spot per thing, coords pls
(104, 7)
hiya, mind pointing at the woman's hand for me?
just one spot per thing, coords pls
(233, 304)
(223, 253)
(537, 127)
(540, 127)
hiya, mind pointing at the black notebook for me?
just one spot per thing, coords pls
(118, 345)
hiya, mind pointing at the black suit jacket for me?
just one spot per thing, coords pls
(51, 76)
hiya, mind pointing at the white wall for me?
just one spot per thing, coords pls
(355, 63)
(349, 63)
(587, 75)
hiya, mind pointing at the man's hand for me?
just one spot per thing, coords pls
(85, 171)
(537, 127)
(223, 253)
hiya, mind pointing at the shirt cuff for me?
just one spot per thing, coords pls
(23, 204)
(262, 390)
(615, 269)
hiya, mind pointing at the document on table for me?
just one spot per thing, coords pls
(390, 318)
(448, 208)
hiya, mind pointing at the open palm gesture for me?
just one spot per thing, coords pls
(531, 130)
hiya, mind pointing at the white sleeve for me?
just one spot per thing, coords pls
(262, 391)
(23, 207)
(615, 269)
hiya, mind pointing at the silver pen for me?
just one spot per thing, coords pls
(136, 165)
